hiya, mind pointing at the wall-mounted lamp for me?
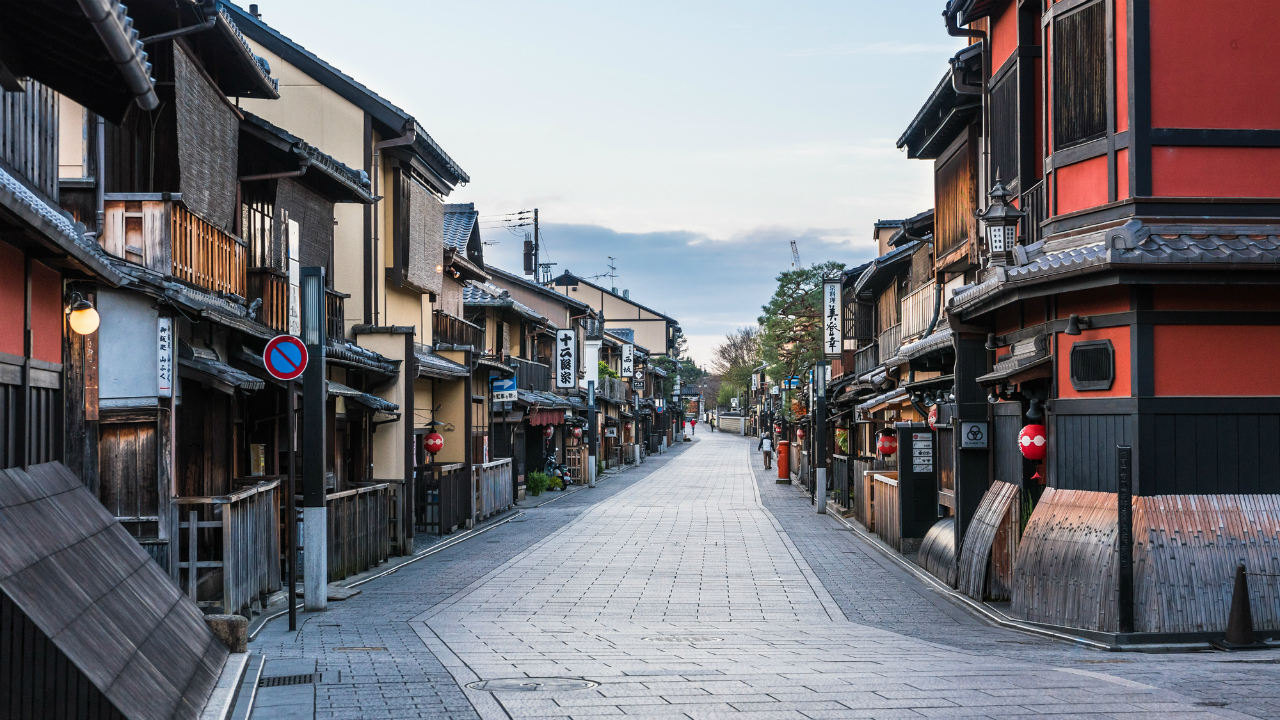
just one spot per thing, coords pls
(81, 315)
(991, 342)
(1075, 322)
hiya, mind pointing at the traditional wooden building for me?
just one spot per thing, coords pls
(1147, 245)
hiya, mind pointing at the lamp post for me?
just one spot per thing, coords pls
(315, 575)
(820, 437)
(1001, 220)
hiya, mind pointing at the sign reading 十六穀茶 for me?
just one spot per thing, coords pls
(566, 359)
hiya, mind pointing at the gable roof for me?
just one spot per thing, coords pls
(459, 223)
(567, 278)
(513, 279)
(88, 586)
(944, 115)
(328, 176)
(479, 294)
(391, 118)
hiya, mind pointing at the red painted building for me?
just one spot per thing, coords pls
(1135, 317)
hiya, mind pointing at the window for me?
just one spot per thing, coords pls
(1092, 365)
(955, 198)
(1004, 129)
(1080, 76)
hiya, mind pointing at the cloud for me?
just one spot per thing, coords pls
(711, 286)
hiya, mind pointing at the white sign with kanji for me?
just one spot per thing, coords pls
(628, 360)
(566, 359)
(831, 336)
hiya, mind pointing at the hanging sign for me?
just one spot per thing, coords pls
(285, 357)
(566, 360)
(504, 390)
(831, 336)
(295, 278)
(628, 360)
(611, 432)
(164, 357)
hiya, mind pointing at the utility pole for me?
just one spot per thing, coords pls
(613, 276)
(537, 247)
(315, 544)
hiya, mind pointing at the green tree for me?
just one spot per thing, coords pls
(791, 326)
(606, 371)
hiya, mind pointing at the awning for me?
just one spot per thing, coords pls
(492, 364)
(439, 367)
(355, 357)
(218, 375)
(538, 398)
(370, 401)
(879, 402)
(1031, 354)
(547, 417)
(938, 341)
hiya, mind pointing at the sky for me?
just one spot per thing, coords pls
(691, 141)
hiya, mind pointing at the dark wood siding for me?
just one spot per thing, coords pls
(37, 680)
(1082, 450)
(29, 135)
(128, 487)
(1007, 456)
(1211, 454)
(142, 151)
(1004, 129)
(955, 199)
(1080, 76)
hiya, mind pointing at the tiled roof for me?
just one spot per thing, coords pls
(459, 218)
(437, 366)
(54, 224)
(372, 402)
(486, 295)
(543, 399)
(937, 341)
(356, 180)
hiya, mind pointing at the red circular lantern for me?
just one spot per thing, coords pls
(933, 418)
(887, 444)
(577, 432)
(551, 430)
(433, 443)
(1032, 442)
(800, 433)
(777, 429)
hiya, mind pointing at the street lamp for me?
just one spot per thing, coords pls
(81, 315)
(1001, 220)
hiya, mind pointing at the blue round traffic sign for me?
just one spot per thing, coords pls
(285, 357)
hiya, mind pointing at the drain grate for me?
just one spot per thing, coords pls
(283, 680)
(684, 639)
(359, 649)
(533, 684)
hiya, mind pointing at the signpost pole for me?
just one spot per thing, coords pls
(314, 396)
(291, 509)
(820, 437)
(591, 432)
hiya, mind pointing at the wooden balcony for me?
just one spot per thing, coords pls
(1034, 203)
(162, 235)
(890, 340)
(866, 359)
(532, 375)
(917, 310)
(335, 315)
(450, 330)
(271, 287)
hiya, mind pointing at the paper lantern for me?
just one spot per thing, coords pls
(800, 433)
(1032, 442)
(551, 430)
(887, 444)
(577, 432)
(933, 418)
(434, 443)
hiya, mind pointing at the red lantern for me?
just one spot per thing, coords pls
(551, 430)
(887, 444)
(800, 433)
(777, 429)
(577, 432)
(933, 418)
(433, 443)
(1032, 442)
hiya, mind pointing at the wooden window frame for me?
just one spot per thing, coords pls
(1090, 385)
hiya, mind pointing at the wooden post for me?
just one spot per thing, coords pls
(193, 529)
(1124, 539)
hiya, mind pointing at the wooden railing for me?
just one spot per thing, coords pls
(359, 529)
(205, 256)
(272, 287)
(841, 494)
(160, 234)
(335, 314)
(917, 310)
(1036, 206)
(238, 534)
(866, 359)
(494, 487)
(442, 498)
(860, 492)
(449, 330)
(578, 460)
(888, 521)
(889, 342)
(532, 375)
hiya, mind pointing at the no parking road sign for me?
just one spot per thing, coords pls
(285, 357)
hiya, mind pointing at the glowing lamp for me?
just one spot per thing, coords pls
(1032, 442)
(82, 316)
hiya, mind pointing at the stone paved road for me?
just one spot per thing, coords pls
(694, 587)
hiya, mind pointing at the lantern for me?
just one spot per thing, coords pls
(933, 418)
(1001, 220)
(82, 317)
(887, 443)
(433, 443)
(551, 430)
(1032, 442)
(577, 432)
(800, 433)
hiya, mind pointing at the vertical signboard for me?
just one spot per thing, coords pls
(295, 279)
(628, 360)
(831, 336)
(566, 362)
(1124, 536)
(164, 357)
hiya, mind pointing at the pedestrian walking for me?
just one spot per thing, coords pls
(693, 424)
(766, 445)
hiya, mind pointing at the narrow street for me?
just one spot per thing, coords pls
(696, 587)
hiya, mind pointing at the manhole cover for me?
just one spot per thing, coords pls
(533, 684)
(684, 639)
(287, 680)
